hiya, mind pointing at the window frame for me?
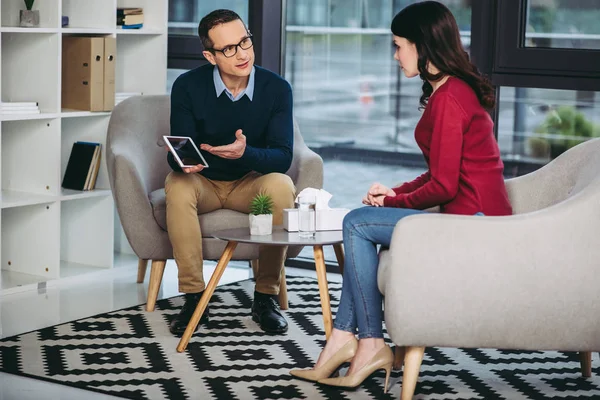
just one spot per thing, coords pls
(517, 65)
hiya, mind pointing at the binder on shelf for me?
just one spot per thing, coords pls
(83, 73)
(82, 167)
(110, 56)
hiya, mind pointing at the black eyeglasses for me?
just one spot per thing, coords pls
(231, 50)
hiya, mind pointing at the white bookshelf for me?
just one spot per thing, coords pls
(47, 232)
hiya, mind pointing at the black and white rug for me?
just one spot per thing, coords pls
(130, 353)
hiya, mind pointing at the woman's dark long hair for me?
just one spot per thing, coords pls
(433, 29)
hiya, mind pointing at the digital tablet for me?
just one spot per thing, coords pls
(185, 151)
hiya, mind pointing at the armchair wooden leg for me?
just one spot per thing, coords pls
(339, 255)
(399, 357)
(585, 358)
(412, 365)
(157, 269)
(283, 297)
(142, 264)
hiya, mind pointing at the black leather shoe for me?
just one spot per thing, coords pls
(266, 312)
(178, 325)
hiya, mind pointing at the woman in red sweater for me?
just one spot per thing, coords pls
(465, 176)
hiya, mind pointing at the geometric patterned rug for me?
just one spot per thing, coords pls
(131, 354)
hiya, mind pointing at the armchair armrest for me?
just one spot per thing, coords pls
(129, 186)
(526, 281)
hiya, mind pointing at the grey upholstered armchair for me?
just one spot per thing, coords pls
(137, 168)
(529, 281)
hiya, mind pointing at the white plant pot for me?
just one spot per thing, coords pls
(261, 224)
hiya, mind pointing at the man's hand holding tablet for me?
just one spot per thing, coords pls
(186, 153)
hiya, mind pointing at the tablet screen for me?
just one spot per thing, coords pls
(186, 151)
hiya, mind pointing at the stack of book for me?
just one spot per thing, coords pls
(82, 167)
(19, 107)
(130, 18)
(120, 96)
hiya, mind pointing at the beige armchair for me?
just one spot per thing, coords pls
(527, 281)
(137, 168)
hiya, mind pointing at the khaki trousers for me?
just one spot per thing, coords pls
(188, 195)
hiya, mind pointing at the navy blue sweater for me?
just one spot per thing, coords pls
(266, 121)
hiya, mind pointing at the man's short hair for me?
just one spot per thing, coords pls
(211, 20)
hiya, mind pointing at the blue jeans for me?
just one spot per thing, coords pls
(361, 302)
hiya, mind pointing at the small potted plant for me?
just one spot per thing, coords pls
(29, 18)
(261, 215)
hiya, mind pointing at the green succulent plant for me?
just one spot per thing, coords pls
(261, 204)
(29, 4)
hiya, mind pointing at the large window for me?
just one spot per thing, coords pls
(348, 89)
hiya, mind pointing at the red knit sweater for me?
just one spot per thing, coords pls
(456, 137)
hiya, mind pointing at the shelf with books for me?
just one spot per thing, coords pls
(31, 228)
(30, 67)
(79, 229)
(86, 234)
(48, 12)
(29, 154)
(94, 14)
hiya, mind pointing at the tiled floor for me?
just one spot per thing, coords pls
(78, 298)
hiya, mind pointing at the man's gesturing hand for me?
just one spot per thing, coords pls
(231, 151)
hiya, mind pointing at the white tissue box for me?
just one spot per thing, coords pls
(327, 220)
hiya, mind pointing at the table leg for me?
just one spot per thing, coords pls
(206, 295)
(339, 255)
(323, 289)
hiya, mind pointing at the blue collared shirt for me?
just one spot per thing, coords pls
(220, 86)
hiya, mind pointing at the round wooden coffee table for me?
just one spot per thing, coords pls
(279, 237)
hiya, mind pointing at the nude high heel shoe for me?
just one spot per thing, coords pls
(384, 359)
(344, 354)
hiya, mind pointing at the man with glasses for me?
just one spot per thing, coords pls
(240, 117)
